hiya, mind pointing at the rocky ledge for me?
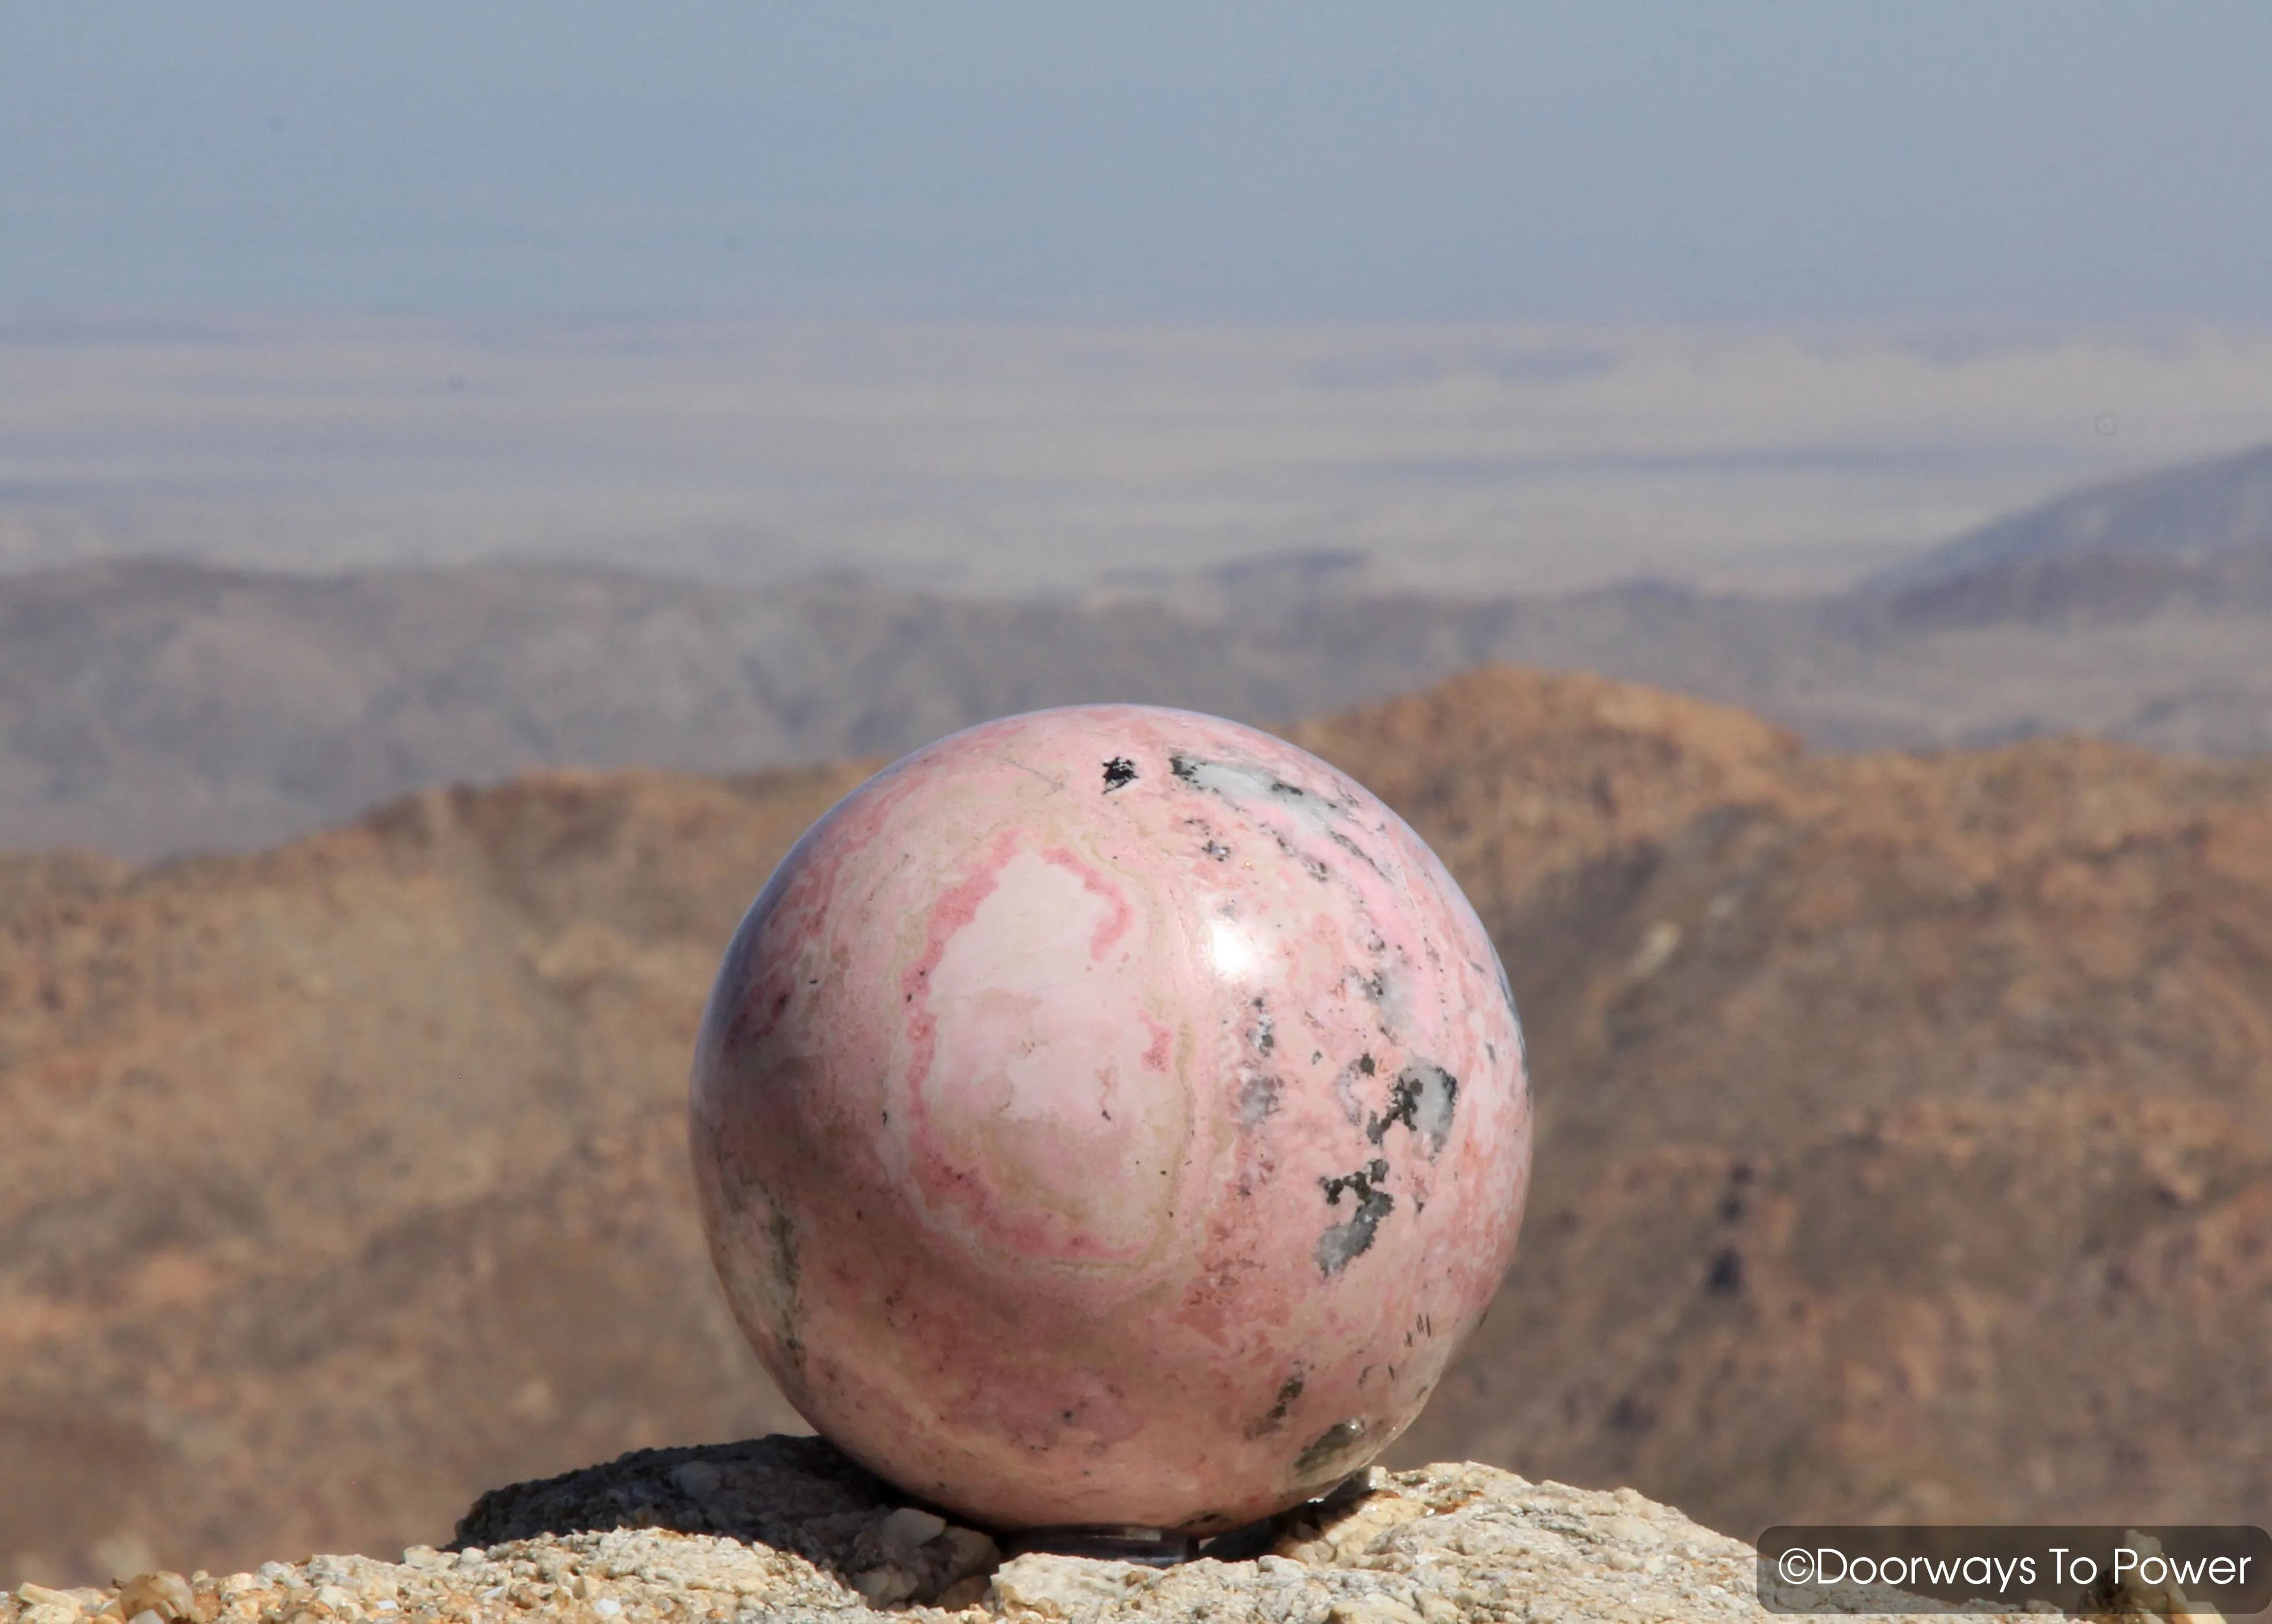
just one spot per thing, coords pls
(786, 1528)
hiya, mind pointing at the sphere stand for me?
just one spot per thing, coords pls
(1148, 1548)
(1159, 1547)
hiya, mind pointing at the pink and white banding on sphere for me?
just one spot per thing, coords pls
(1111, 1116)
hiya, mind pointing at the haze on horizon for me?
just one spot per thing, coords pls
(1013, 296)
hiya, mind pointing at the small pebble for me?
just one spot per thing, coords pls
(908, 1528)
(167, 1595)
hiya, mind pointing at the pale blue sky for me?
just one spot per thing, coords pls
(2056, 161)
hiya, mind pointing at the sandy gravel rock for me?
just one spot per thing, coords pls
(780, 1531)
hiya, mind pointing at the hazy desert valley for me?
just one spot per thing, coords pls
(1906, 1113)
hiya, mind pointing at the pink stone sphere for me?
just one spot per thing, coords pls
(1110, 1115)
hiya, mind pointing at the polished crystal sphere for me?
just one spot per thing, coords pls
(1110, 1116)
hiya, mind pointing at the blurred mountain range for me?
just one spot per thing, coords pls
(150, 706)
(1905, 1137)
(2199, 512)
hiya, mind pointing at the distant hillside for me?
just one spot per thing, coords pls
(151, 707)
(2083, 590)
(2194, 511)
(1906, 1137)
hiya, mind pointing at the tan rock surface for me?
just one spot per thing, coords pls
(783, 1529)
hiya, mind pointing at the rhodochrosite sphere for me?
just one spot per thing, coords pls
(1110, 1115)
